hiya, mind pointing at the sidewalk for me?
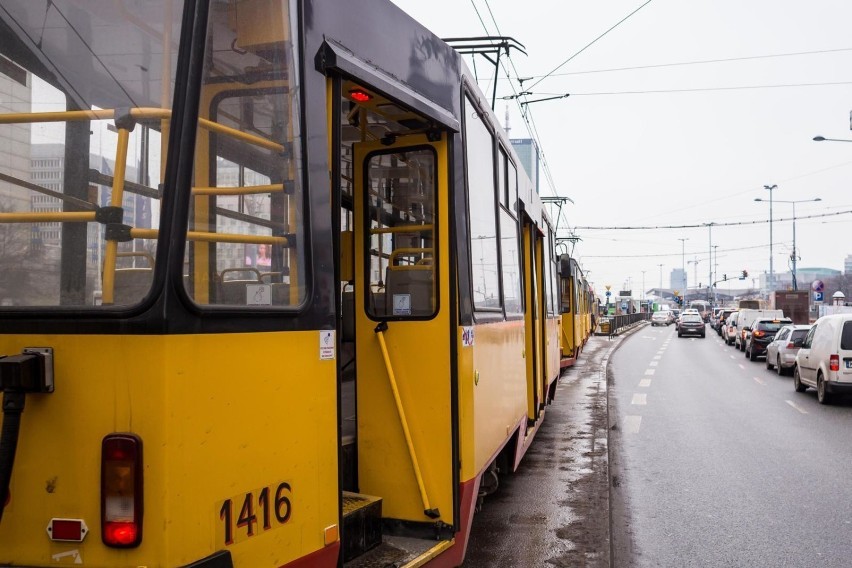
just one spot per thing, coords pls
(555, 510)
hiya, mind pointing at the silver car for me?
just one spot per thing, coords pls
(781, 353)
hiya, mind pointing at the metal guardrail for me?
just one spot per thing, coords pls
(615, 324)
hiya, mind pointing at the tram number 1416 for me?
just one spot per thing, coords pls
(254, 513)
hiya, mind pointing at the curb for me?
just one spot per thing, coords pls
(605, 370)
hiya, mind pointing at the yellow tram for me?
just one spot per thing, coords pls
(274, 288)
(577, 303)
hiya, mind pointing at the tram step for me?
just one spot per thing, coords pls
(362, 524)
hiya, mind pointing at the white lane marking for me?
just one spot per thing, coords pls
(639, 399)
(645, 383)
(796, 406)
(652, 338)
(650, 371)
(632, 424)
(759, 381)
(658, 357)
(732, 357)
(742, 366)
(654, 363)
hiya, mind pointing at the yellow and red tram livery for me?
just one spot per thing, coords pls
(274, 288)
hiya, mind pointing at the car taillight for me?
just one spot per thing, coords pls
(834, 363)
(791, 345)
(758, 333)
(121, 490)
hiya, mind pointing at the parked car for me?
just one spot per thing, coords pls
(691, 324)
(721, 318)
(781, 353)
(761, 334)
(731, 328)
(746, 318)
(662, 317)
(825, 358)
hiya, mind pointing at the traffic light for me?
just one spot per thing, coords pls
(724, 277)
(745, 273)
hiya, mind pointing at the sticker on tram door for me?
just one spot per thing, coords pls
(253, 513)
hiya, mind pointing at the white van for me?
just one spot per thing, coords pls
(825, 359)
(748, 317)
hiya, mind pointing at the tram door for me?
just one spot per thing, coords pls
(534, 320)
(396, 325)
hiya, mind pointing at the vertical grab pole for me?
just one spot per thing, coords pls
(116, 200)
(428, 511)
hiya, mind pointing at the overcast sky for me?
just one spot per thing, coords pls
(699, 153)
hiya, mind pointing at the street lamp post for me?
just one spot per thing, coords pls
(793, 257)
(771, 283)
(824, 139)
(683, 265)
(661, 283)
(715, 273)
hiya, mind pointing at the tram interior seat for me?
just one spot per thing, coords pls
(233, 291)
(417, 283)
(131, 285)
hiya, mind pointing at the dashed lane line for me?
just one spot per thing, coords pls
(796, 406)
(632, 424)
(645, 383)
(650, 371)
(639, 399)
(759, 381)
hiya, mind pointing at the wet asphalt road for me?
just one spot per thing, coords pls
(554, 510)
(716, 461)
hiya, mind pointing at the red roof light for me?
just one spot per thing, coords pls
(360, 95)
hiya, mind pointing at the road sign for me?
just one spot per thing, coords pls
(608, 293)
(818, 286)
(818, 296)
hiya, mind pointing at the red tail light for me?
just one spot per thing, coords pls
(791, 345)
(121, 490)
(758, 333)
(834, 363)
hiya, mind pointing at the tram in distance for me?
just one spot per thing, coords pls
(275, 289)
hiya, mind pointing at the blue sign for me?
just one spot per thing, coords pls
(608, 293)
(818, 296)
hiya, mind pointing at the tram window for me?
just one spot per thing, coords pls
(479, 146)
(502, 185)
(401, 205)
(246, 241)
(510, 258)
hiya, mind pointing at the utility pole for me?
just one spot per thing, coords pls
(683, 264)
(771, 269)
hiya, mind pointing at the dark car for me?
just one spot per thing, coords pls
(762, 334)
(690, 324)
(719, 322)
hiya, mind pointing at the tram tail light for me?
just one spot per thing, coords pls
(121, 490)
(834, 363)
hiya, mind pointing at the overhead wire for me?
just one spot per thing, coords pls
(588, 45)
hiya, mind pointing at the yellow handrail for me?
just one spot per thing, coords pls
(244, 190)
(48, 217)
(137, 113)
(427, 510)
(216, 237)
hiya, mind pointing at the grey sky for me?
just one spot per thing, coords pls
(682, 157)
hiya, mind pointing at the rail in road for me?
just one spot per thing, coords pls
(716, 461)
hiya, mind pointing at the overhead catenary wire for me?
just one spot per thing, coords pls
(704, 225)
(588, 45)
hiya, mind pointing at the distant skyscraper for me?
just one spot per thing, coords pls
(527, 151)
(678, 280)
(847, 265)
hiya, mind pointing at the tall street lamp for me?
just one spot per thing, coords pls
(771, 286)
(683, 265)
(794, 256)
(824, 139)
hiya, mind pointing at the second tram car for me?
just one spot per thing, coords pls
(275, 288)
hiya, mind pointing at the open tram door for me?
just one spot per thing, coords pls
(398, 441)
(535, 320)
